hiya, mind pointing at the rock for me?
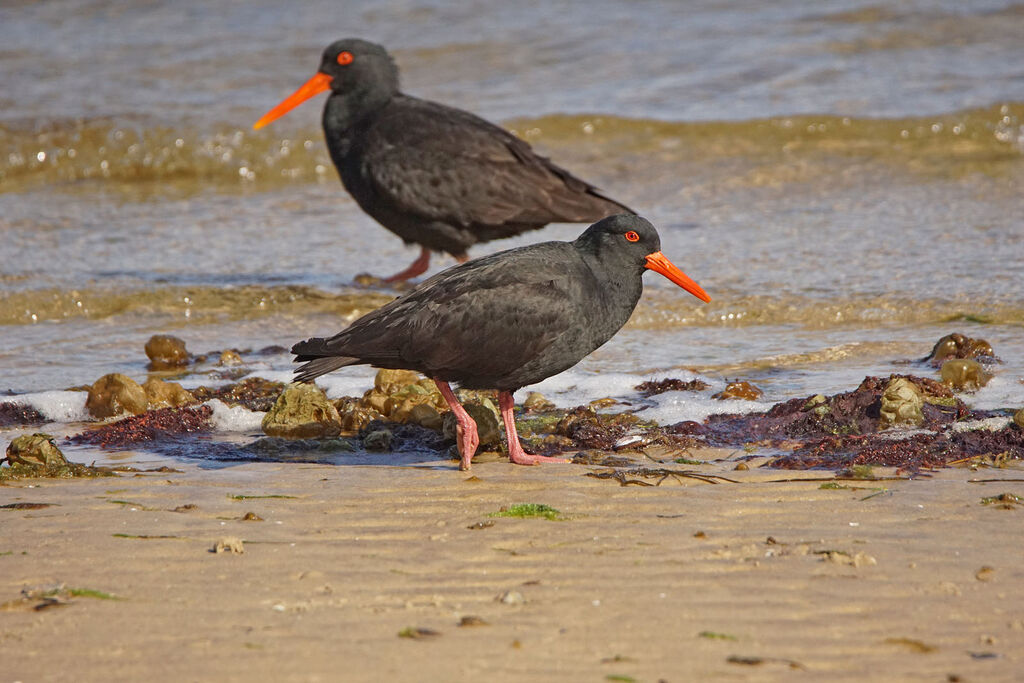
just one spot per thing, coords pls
(599, 403)
(166, 352)
(229, 544)
(901, 404)
(510, 598)
(115, 394)
(17, 414)
(302, 411)
(959, 346)
(354, 415)
(378, 441)
(650, 388)
(35, 450)
(229, 357)
(426, 416)
(1018, 418)
(744, 391)
(390, 381)
(161, 394)
(964, 375)
(486, 424)
(535, 402)
(255, 393)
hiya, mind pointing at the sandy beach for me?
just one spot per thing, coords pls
(761, 579)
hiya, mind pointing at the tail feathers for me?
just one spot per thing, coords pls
(317, 359)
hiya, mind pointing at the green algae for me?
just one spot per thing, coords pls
(529, 510)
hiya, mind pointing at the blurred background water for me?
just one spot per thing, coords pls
(844, 178)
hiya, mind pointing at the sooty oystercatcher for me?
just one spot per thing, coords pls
(433, 175)
(506, 320)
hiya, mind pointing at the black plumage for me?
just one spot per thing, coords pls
(434, 175)
(506, 320)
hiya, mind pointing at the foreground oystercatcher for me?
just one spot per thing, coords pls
(506, 320)
(433, 175)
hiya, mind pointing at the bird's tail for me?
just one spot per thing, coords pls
(317, 359)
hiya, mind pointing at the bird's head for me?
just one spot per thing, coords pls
(632, 241)
(349, 66)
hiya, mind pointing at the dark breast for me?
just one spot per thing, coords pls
(494, 323)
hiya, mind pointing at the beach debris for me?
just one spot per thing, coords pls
(911, 644)
(148, 427)
(166, 352)
(510, 598)
(486, 524)
(39, 599)
(36, 451)
(758, 661)
(624, 476)
(963, 374)
(901, 404)
(228, 544)
(958, 345)
(985, 573)
(653, 387)
(302, 411)
(714, 635)
(17, 414)
(417, 633)
(115, 394)
(470, 620)
(842, 557)
(744, 391)
(161, 394)
(1004, 501)
(251, 517)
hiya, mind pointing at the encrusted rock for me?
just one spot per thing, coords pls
(35, 450)
(390, 381)
(901, 404)
(378, 440)
(535, 402)
(426, 416)
(166, 352)
(115, 394)
(229, 544)
(959, 346)
(962, 374)
(354, 415)
(1018, 418)
(744, 391)
(486, 424)
(302, 411)
(161, 394)
(229, 357)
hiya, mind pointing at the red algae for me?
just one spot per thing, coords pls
(148, 427)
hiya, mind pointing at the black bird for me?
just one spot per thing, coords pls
(506, 320)
(433, 175)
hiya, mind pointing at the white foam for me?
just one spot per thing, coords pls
(1000, 392)
(234, 418)
(57, 406)
(677, 406)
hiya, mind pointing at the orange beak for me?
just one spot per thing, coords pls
(659, 264)
(313, 86)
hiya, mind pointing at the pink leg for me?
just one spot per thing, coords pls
(466, 429)
(418, 267)
(515, 451)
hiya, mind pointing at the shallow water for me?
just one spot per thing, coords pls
(844, 179)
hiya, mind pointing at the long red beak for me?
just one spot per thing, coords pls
(659, 264)
(313, 86)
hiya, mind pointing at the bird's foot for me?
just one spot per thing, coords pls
(418, 267)
(521, 457)
(468, 442)
(367, 281)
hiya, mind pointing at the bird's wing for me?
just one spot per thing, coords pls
(451, 166)
(483, 318)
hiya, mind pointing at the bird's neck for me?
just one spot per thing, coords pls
(345, 110)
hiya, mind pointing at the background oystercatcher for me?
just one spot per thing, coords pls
(506, 320)
(433, 175)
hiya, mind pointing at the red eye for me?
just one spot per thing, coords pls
(345, 58)
(632, 236)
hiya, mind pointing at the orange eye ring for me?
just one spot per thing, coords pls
(345, 58)
(632, 236)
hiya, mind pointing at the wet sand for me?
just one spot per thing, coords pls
(621, 589)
